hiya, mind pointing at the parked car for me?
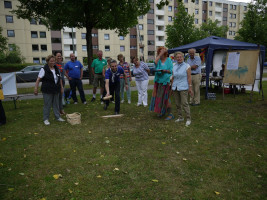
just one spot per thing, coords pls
(85, 72)
(28, 74)
(152, 68)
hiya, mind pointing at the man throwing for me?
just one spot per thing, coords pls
(195, 62)
(74, 73)
(97, 68)
(112, 77)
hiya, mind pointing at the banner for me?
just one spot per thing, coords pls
(9, 83)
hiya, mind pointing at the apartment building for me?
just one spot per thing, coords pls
(36, 41)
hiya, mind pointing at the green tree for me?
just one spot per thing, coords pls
(118, 15)
(182, 31)
(212, 28)
(3, 45)
(254, 24)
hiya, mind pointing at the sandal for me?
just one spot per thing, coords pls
(170, 117)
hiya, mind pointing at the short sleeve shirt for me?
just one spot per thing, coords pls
(114, 76)
(98, 65)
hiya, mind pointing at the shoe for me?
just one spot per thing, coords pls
(61, 120)
(145, 105)
(84, 102)
(193, 104)
(117, 113)
(93, 99)
(179, 120)
(102, 102)
(62, 112)
(188, 122)
(46, 122)
(75, 102)
(122, 101)
(139, 104)
(170, 117)
(105, 106)
(129, 101)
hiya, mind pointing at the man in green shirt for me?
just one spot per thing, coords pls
(97, 68)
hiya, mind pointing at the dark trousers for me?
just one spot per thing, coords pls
(114, 87)
(74, 82)
(2, 114)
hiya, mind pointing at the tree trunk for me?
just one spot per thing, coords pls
(89, 52)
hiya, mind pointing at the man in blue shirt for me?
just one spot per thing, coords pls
(195, 64)
(112, 84)
(74, 73)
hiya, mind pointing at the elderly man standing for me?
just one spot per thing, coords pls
(97, 69)
(74, 73)
(195, 62)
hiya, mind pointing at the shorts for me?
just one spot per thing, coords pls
(98, 80)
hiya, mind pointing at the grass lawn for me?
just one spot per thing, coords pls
(222, 155)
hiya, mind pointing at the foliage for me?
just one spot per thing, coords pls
(13, 55)
(3, 42)
(119, 15)
(182, 31)
(8, 67)
(211, 28)
(254, 24)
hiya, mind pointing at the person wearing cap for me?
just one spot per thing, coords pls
(112, 78)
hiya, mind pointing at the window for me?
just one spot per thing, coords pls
(230, 32)
(175, 8)
(234, 16)
(150, 21)
(43, 61)
(141, 16)
(141, 37)
(106, 36)
(196, 11)
(8, 4)
(234, 24)
(196, 2)
(210, 13)
(94, 35)
(185, 1)
(34, 34)
(35, 47)
(170, 8)
(36, 60)
(224, 18)
(121, 37)
(10, 33)
(233, 33)
(73, 47)
(204, 11)
(150, 42)
(234, 7)
(42, 34)
(225, 9)
(151, 1)
(169, 18)
(43, 47)
(95, 46)
(245, 8)
(230, 24)
(72, 35)
(107, 48)
(210, 3)
(83, 35)
(84, 47)
(204, 21)
(132, 36)
(140, 26)
(133, 47)
(231, 6)
(9, 19)
(56, 40)
(196, 21)
(186, 10)
(150, 32)
(122, 48)
(11, 47)
(40, 22)
(33, 21)
(151, 11)
(151, 53)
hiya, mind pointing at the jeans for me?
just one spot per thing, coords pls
(122, 85)
(75, 82)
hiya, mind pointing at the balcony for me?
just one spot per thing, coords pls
(218, 9)
(69, 30)
(160, 23)
(160, 33)
(160, 12)
(69, 41)
(68, 52)
(219, 18)
(160, 43)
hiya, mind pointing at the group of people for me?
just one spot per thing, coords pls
(178, 79)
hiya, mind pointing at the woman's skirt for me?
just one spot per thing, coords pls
(160, 101)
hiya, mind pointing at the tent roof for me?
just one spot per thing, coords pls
(215, 42)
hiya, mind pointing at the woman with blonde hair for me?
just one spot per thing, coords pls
(160, 102)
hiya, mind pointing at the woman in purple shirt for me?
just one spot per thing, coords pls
(141, 71)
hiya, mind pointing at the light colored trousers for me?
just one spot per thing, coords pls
(51, 100)
(181, 101)
(196, 80)
(122, 85)
(142, 92)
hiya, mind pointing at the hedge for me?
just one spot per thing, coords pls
(7, 67)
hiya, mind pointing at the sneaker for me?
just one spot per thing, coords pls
(102, 102)
(145, 105)
(112, 101)
(139, 104)
(84, 102)
(122, 101)
(61, 120)
(129, 101)
(188, 122)
(75, 102)
(46, 122)
(105, 106)
(93, 99)
(117, 113)
(179, 120)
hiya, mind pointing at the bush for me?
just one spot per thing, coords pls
(7, 67)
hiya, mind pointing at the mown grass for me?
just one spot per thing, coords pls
(139, 156)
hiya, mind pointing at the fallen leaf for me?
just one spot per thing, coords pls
(116, 169)
(184, 159)
(24, 155)
(9, 169)
(217, 193)
(76, 183)
(70, 191)
(57, 176)
(36, 133)
(89, 131)
(10, 189)
(259, 155)
(74, 151)
(107, 141)
(196, 141)
(150, 130)
(22, 174)
(177, 152)
(4, 139)
(99, 176)
(155, 180)
(163, 142)
(259, 176)
(102, 156)
(43, 199)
